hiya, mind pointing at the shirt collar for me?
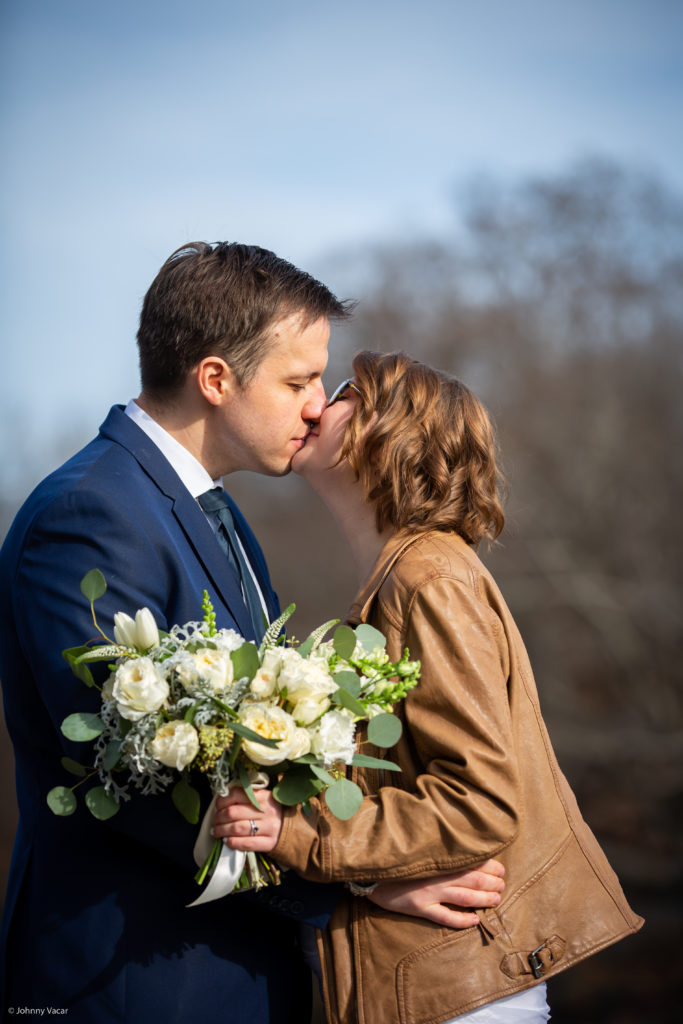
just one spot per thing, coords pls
(188, 468)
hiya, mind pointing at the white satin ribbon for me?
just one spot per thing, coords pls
(230, 866)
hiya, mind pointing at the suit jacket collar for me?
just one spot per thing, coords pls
(124, 431)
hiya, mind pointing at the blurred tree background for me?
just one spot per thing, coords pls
(559, 300)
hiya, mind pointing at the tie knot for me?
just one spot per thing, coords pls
(214, 500)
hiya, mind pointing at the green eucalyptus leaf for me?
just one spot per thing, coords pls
(349, 681)
(365, 761)
(296, 786)
(102, 805)
(186, 800)
(370, 638)
(245, 661)
(306, 647)
(61, 801)
(343, 798)
(93, 585)
(73, 767)
(384, 730)
(321, 774)
(112, 754)
(82, 726)
(344, 641)
(81, 671)
(345, 700)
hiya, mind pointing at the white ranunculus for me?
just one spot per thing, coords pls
(138, 688)
(176, 744)
(141, 634)
(273, 724)
(333, 739)
(214, 668)
(308, 709)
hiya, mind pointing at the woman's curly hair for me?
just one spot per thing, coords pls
(424, 449)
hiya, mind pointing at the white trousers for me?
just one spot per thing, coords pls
(527, 1007)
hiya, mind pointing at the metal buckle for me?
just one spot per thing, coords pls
(535, 962)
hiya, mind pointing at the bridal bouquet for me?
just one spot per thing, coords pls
(201, 700)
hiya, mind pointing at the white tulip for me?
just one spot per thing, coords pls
(141, 634)
(124, 630)
(146, 629)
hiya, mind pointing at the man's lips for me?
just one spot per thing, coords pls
(301, 441)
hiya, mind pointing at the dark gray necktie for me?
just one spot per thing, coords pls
(215, 504)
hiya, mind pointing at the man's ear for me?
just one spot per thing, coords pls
(215, 379)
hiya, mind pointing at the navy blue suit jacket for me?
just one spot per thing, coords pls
(95, 917)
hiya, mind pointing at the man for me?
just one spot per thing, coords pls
(233, 345)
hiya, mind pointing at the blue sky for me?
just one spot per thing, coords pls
(306, 127)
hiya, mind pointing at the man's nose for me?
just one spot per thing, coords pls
(315, 403)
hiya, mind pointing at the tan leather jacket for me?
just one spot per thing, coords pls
(479, 779)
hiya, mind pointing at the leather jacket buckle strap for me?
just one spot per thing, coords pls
(536, 962)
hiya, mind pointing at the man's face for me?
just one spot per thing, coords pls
(264, 424)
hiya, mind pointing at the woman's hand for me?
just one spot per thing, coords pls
(444, 899)
(234, 817)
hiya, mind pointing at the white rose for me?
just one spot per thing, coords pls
(273, 724)
(333, 739)
(176, 744)
(214, 668)
(305, 678)
(108, 687)
(138, 688)
(301, 744)
(141, 634)
(308, 709)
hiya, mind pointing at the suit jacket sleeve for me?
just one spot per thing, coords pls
(460, 801)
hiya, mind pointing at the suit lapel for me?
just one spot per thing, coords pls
(120, 428)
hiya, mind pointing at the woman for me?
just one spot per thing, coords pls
(405, 459)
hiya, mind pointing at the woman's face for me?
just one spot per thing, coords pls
(320, 454)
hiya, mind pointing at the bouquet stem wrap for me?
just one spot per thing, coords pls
(231, 863)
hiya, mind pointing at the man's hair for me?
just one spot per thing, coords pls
(222, 300)
(424, 449)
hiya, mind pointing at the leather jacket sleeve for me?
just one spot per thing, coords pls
(455, 803)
